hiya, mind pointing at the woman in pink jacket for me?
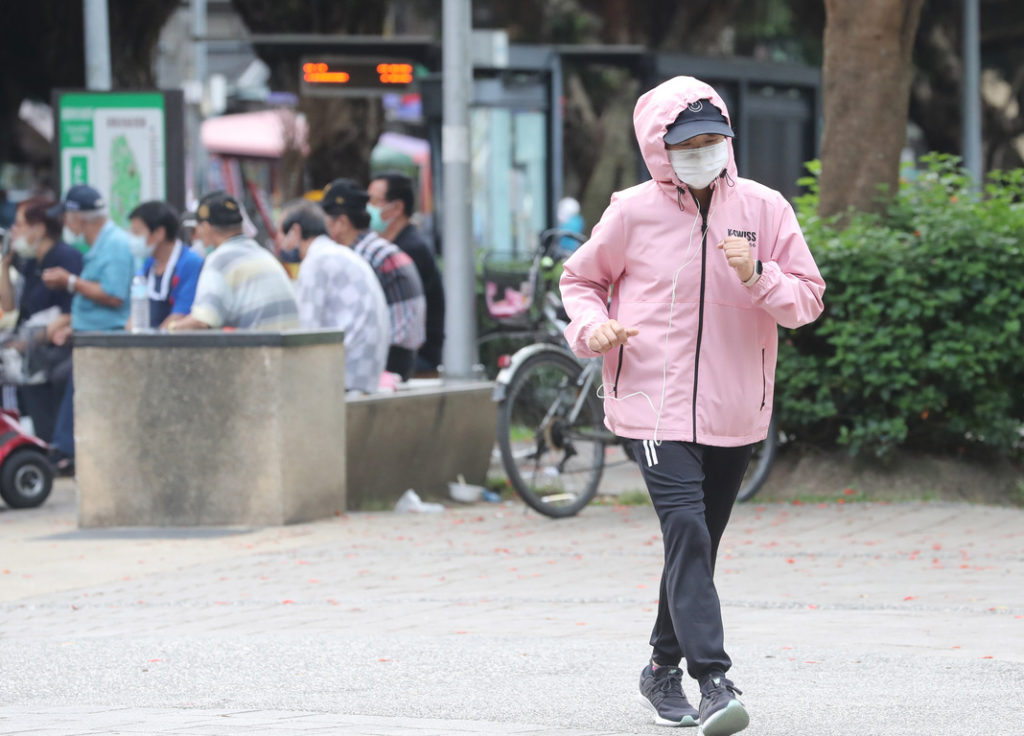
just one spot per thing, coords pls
(681, 288)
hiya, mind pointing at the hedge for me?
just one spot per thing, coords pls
(920, 345)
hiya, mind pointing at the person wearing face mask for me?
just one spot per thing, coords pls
(348, 223)
(99, 295)
(390, 208)
(36, 245)
(170, 267)
(701, 267)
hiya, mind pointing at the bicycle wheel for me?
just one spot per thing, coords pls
(553, 463)
(760, 464)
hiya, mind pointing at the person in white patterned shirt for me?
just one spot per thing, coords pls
(338, 289)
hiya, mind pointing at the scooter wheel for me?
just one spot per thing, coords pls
(26, 479)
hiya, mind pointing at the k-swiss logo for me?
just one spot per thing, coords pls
(750, 235)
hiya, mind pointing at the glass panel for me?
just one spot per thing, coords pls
(509, 180)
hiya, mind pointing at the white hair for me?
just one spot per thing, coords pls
(92, 215)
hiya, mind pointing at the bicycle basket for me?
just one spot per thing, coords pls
(508, 292)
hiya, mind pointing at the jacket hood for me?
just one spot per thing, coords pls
(657, 109)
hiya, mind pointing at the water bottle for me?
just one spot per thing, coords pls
(140, 304)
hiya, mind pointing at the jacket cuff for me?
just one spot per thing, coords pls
(581, 346)
(770, 274)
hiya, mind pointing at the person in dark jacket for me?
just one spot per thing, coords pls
(37, 245)
(391, 199)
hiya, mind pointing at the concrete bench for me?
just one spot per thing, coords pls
(253, 429)
(189, 429)
(422, 436)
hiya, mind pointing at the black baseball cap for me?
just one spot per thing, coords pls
(219, 209)
(342, 196)
(80, 198)
(698, 118)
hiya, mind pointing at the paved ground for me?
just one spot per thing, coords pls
(842, 619)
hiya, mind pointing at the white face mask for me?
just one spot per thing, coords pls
(698, 167)
(23, 248)
(71, 237)
(139, 247)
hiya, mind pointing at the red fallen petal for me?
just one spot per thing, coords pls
(581, 623)
(936, 546)
(383, 659)
(810, 661)
(957, 647)
(461, 632)
(286, 602)
(988, 656)
(910, 597)
(154, 660)
(811, 605)
(790, 560)
(313, 580)
(849, 491)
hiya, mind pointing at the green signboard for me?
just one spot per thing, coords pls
(118, 142)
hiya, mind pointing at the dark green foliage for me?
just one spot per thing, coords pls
(921, 343)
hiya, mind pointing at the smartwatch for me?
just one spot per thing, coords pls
(758, 268)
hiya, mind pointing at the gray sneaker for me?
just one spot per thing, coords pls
(661, 690)
(721, 712)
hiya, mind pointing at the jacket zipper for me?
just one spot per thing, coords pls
(764, 381)
(700, 311)
(618, 371)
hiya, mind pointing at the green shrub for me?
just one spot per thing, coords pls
(920, 345)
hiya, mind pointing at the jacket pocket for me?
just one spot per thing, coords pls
(764, 380)
(618, 372)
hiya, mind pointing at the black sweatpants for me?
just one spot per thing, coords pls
(693, 488)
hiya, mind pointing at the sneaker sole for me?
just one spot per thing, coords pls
(729, 720)
(687, 721)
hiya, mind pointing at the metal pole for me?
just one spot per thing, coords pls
(459, 271)
(97, 44)
(196, 111)
(972, 93)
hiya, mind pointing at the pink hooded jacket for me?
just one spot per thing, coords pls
(702, 368)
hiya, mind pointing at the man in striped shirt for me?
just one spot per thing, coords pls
(242, 285)
(348, 223)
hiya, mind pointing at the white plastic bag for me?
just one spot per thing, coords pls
(411, 503)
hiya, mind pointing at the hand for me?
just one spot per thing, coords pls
(609, 336)
(60, 335)
(738, 254)
(56, 278)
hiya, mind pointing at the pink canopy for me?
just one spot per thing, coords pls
(263, 134)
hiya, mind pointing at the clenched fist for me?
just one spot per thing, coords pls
(738, 253)
(610, 335)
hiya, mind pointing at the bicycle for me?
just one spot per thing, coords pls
(551, 434)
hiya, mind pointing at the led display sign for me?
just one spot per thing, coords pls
(362, 77)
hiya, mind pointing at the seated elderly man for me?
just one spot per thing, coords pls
(348, 223)
(338, 289)
(242, 284)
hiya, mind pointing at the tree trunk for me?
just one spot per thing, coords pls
(867, 72)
